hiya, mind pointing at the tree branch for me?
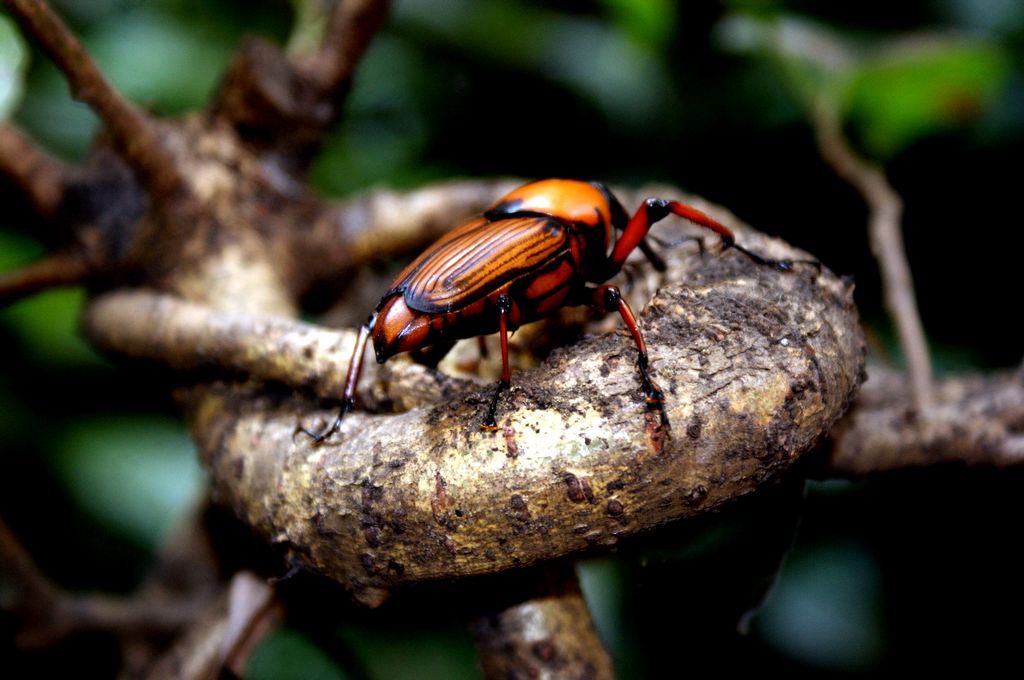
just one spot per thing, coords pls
(53, 271)
(974, 420)
(387, 223)
(224, 635)
(886, 209)
(545, 633)
(40, 176)
(352, 25)
(191, 337)
(136, 135)
(284, 105)
(757, 365)
(48, 614)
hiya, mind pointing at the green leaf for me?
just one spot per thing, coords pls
(137, 475)
(159, 61)
(647, 22)
(826, 609)
(13, 60)
(289, 655)
(17, 250)
(46, 324)
(893, 90)
(435, 651)
(910, 91)
(813, 59)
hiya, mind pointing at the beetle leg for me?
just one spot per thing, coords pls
(654, 210)
(652, 257)
(608, 298)
(355, 367)
(665, 245)
(504, 304)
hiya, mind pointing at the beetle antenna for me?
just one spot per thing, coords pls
(355, 366)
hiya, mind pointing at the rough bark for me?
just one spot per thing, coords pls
(210, 217)
(757, 365)
(973, 420)
(547, 633)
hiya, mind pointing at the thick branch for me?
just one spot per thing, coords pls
(886, 209)
(40, 176)
(53, 271)
(190, 337)
(136, 134)
(757, 365)
(975, 420)
(545, 634)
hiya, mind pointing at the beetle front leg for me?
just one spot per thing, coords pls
(355, 367)
(504, 304)
(607, 299)
(654, 210)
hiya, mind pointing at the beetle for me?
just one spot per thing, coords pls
(535, 250)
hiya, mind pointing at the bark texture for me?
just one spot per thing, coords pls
(756, 364)
(973, 420)
(200, 242)
(548, 635)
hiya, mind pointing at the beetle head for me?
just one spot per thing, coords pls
(398, 328)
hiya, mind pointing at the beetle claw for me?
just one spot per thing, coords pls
(489, 423)
(319, 438)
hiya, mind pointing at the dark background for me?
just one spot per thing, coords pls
(915, 571)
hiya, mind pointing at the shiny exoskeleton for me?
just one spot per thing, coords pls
(533, 251)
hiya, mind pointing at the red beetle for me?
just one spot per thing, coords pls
(533, 251)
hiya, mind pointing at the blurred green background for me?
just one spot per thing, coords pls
(918, 570)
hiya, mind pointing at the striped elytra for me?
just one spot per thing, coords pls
(535, 250)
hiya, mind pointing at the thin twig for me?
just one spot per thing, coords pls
(136, 134)
(308, 28)
(39, 175)
(885, 208)
(225, 634)
(19, 571)
(352, 25)
(48, 614)
(53, 271)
